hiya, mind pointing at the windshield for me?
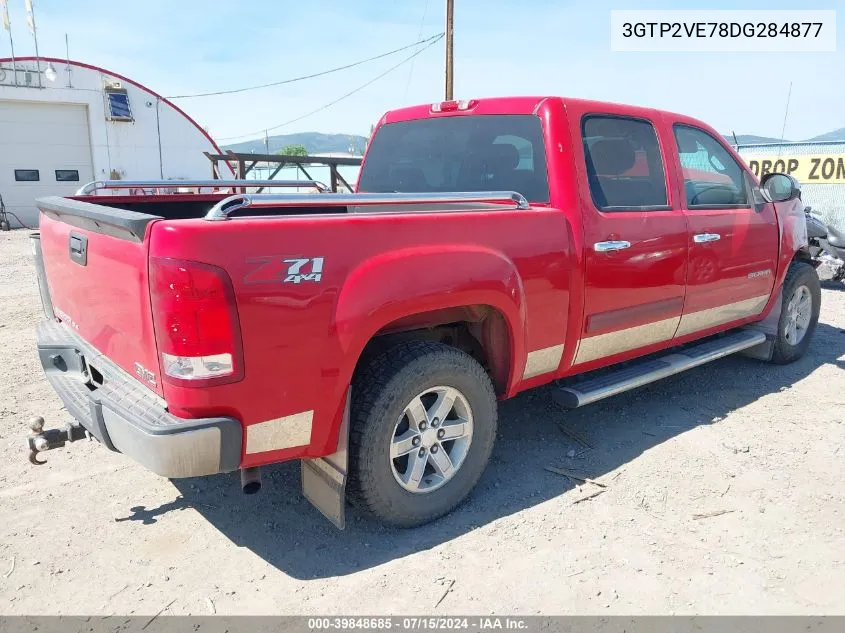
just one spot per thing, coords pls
(458, 153)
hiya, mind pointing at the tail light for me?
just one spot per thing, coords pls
(196, 323)
(452, 106)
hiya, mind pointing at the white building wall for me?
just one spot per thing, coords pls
(129, 148)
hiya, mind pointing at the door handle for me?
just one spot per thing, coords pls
(701, 238)
(611, 245)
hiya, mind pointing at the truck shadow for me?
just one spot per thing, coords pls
(283, 529)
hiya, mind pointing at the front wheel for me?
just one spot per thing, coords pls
(799, 313)
(423, 423)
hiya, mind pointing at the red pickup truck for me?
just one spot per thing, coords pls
(492, 246)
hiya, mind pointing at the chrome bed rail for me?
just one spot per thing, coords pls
(222, 209)
(98, 185)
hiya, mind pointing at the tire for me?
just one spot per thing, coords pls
(799, 276)
(418, 372)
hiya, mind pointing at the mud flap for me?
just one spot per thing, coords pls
(324, 478)
(769, 327)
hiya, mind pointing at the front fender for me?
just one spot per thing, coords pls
(793, 234)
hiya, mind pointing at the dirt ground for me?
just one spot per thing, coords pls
(91, 532)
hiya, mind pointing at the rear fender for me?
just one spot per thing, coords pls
(399, 284)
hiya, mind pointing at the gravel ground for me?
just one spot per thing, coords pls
(723, 496)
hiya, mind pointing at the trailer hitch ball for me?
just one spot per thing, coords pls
(40, 440)
(36, 424)
(37, 442)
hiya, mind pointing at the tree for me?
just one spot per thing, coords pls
(293, 150)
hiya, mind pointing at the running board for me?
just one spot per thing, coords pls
(642, 373)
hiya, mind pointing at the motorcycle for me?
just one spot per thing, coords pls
(827, 246)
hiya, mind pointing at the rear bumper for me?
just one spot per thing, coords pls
(127, 417)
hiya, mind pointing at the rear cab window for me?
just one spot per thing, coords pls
(625, 167)
(500, 152)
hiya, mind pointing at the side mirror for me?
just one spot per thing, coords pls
(780, 188)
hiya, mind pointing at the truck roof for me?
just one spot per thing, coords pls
(530, 105)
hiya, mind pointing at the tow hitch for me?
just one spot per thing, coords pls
(40, 440)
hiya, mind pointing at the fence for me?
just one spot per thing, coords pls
(820, 167)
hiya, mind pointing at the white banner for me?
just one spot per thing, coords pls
(30, 18)
(723, 30)
(4, 9)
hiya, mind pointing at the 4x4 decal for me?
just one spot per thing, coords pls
(293, 270)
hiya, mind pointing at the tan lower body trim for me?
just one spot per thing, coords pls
(625, 340)
(542, 361)
(612, 343)
(703, 319)
(286, 432)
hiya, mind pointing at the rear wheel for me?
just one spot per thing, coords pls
(799, 313)
(422, 429)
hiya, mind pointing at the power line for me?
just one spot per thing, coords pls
(339, 99)
(433, 38)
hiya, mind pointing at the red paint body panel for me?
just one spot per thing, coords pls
(536, 268)
(106, 301)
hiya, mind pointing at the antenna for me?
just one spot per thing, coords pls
(786, 113)
(736, 142)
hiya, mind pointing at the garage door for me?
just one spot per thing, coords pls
(45, 150)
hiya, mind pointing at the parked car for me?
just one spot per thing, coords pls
(493, 246)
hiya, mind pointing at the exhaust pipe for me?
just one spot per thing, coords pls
(251, 480)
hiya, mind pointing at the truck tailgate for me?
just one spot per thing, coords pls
(96, 262)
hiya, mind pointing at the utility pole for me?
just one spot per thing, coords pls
(450, 10)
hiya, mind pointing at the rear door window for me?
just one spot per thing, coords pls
(624, 164)
(458, 153)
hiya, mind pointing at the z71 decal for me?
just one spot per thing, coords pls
(291, 271)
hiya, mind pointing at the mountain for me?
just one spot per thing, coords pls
(750, 139)
(836, 135)
(319, 143)
(314, 143)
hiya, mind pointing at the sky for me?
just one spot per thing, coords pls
(525, 47)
